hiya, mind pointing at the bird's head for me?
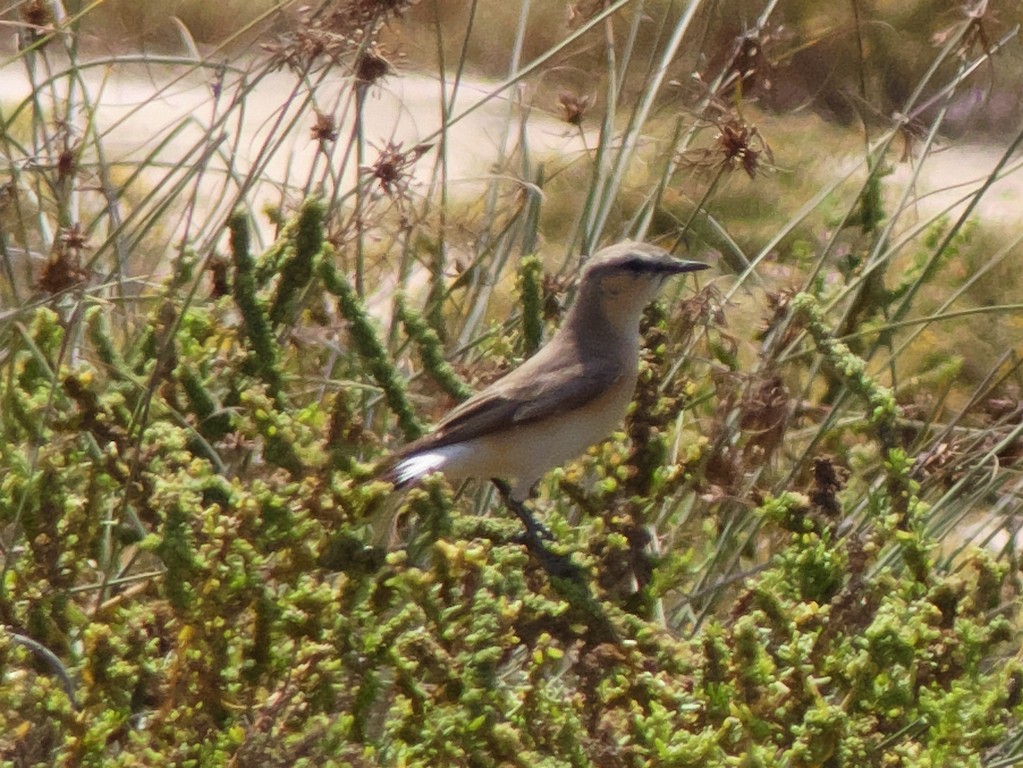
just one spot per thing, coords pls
(623, 278)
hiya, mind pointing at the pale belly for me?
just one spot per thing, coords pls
(522, 455)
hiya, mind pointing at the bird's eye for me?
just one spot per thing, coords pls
(636, 265)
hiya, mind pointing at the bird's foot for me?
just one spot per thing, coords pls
(534, 530)
(534, 536)
(554, 563)
(533, 526)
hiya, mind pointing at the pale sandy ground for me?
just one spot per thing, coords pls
(168, 116)
(140, 107)
(954, 173)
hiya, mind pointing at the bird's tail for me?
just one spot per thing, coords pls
(405, 470)
(401, 472)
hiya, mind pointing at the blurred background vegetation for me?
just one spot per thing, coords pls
(231, 281)
(846, 61)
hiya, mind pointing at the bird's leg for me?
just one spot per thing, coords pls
(534, 528)
(534, 535)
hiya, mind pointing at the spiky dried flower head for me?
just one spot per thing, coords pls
(975, 35)
(392, 166)
(747, 55)
(371, 66)
(74, 238)
(64, 269)
(577, 14)
(741, 145)
(750, 66)
(38, 23)
(574, 107)
(324, 130)
(911, 130)
(736, 145)
(335, 33)
(364, 13)
(309, 47)
(38, 14)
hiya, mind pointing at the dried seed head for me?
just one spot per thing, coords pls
(63, 270)
(219, 269)
(747, 55)
(736, 145)
(741, 145)
(371, 66)
(975, 35)
(749, 67)
(573, 107)
(389, 168)
(367, 13)
(37, 13)
(827, 482)
(911, 131)
(577, 14)
(392, 167)
(338, 35)
(74, 238)
(324, 130)
(66, 164)
(316, 42)
(763, 413)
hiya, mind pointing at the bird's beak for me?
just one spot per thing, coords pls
(678, 266)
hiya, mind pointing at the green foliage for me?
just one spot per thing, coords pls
(263, 358)
(297, 268)
(431, 349)
(531, 293)
(371, 348)
(252, 622)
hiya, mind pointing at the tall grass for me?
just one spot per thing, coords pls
(800, 550)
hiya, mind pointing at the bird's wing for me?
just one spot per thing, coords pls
(521, 397)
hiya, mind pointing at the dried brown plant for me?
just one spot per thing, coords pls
(344, 31)
(738, 144)
(324, 130)
(574, 107)
(392, 166)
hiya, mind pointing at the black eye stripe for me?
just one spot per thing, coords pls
(637, 265)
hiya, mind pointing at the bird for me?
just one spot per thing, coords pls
(573, 393)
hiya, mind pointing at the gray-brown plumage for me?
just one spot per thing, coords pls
(570, 395)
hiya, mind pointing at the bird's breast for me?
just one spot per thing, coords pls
(524, 453)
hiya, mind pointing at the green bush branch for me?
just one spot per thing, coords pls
(531, 298)
(255, 323)
(103, 343)
(369, 347)
(884, 412)
(431, 350)
(297, 268)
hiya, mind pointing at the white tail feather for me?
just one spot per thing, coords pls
(418, 465)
